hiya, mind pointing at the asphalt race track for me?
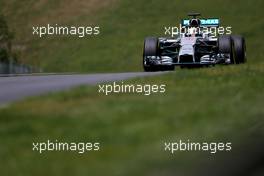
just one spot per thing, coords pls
(15, 88)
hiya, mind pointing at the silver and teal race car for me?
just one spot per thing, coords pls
(193, 47)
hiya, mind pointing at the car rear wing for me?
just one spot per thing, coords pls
(209, 22)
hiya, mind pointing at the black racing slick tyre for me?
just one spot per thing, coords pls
(225, 45)
(151, 48)
(169, 68)
(239, 46)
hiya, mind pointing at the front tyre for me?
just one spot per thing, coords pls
(239, 49)
(150, 49)
(168, 68)
(225, 46)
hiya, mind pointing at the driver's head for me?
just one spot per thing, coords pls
(195, 23)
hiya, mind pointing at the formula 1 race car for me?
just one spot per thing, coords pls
(193, 47)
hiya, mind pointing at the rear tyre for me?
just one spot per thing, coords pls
(239, 49)
(225, 46)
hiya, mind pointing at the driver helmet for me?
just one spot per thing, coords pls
(195, 23)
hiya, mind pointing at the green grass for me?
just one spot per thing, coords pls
(215, 104)
(124, 25)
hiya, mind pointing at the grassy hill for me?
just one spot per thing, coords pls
(124, 25)
(224, 103)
